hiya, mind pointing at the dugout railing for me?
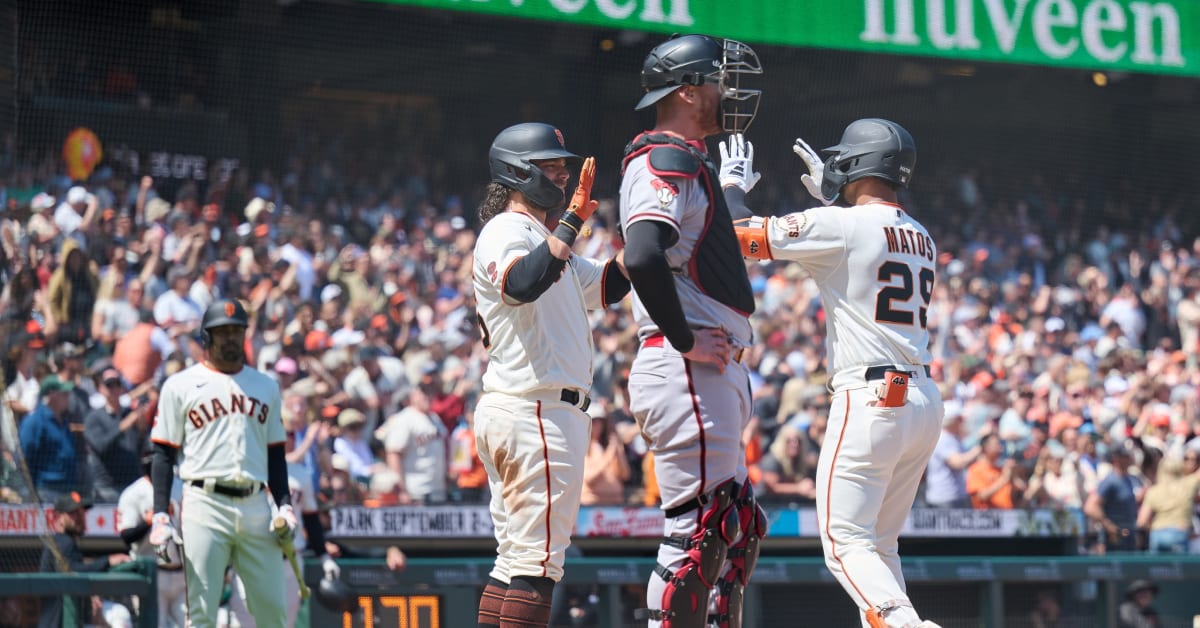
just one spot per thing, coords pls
(135, 580)
(958, 592)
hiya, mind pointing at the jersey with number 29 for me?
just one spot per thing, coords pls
(221, 423)
(875, 266)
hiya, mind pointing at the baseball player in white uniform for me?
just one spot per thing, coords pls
(222, 419)
(875, 267)
(689, 387)
(531, 428)
(135, 511)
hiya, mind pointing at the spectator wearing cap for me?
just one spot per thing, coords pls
(175, 310)
(1168, 507)
(41, 228)
(47, 442)
(416, 442)
(75, 214)
(352, 444)
(286, 372)
(69, 522)
(72, 369)
(1113, 506)
(72, 294)
(378, 383)
(946, 474)
(1137, 611)
(114, 434)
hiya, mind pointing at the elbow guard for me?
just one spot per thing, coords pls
(752, 238)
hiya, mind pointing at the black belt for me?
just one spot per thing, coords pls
(573, 397)
(878, 372)
(231, 491)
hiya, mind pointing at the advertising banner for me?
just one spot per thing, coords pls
(1157, 36)
(34, 520)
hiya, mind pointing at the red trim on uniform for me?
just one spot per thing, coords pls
(654, 340)
(603, 282)
(651, 216)
(549, 501)
(687, 369)
(828, 492)
(159, 441)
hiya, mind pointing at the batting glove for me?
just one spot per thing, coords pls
(162, 532)
(816, 169)
(737, 163)
(288, 516)
(331, 569)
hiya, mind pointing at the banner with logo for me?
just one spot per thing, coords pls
(1157, 36)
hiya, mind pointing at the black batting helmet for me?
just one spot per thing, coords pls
(221, 313)
(336, 595)
(699, 59)
(871, 147)
(513, 152)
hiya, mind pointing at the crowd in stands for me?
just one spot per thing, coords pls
(1065, 340)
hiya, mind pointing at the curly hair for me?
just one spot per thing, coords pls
(495, 200)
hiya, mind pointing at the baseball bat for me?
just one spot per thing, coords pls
(289, 550)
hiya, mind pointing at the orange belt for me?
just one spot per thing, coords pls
(657, 340)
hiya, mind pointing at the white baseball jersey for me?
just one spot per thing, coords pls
(875, 268)
(683, 204)
(221, 423)
(138, 499)
(541, 345)
(420, 439)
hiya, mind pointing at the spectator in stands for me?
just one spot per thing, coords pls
(378, 383)
(415, 440)
(352, 445)
(114, 434)
(119, 312)
(470, 476)
(75, 214)
(605, 467)
(1168, 507)
(946, 475)
(174, 310)
(138, 354)
(63, 555)
(1113, 506)
(72, 294)
(1055, 482)
(41, 228)
(47, 442)
(1137, 611)
(991, 480)
(786, 475)
(21, 395)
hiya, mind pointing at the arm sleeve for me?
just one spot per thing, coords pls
(533, 274)
(277, 477)
(735, 199)
(161, 475)
(314, 532)
(616, 286)
(136, 533)
(646, 243)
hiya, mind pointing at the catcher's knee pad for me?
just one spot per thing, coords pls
(685, 598)
(743, 555)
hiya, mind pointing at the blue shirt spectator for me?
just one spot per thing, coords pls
(47, 443)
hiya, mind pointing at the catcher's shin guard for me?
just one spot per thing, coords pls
(685, 598)
(743, 556)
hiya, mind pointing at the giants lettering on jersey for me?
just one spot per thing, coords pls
(207, 412)
(901, 240)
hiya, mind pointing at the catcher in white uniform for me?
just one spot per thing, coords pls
(875, 267)
(531, 428)
(222, 418)
(689, 387)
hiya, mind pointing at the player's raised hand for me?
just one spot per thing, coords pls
(816, 170)
(737, 163)
(581, 203)
(711, 347)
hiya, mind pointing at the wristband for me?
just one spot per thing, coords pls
(568, 228)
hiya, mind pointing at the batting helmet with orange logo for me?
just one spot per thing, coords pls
(221, 313)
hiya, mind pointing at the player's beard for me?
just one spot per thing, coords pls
(231, 354)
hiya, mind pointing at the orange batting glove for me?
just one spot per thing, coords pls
(752, 238)
(581, 206)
